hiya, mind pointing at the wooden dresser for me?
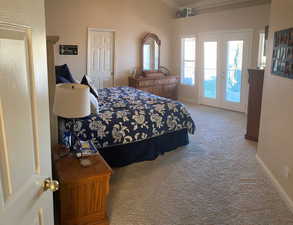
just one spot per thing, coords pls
(256, 78)
(165, 86)
(83, 192)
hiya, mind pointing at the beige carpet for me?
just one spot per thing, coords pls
(215, 180)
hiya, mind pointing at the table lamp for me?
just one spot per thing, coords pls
(72, 101)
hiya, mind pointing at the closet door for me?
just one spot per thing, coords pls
(100, 66)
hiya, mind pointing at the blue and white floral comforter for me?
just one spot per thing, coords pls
(129, 115)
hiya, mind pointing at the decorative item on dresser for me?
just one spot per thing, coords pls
(82, 198)
(256, 78)
(154, 78)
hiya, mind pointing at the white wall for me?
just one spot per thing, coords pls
(69, 19)
(255, 18)
(275, 146)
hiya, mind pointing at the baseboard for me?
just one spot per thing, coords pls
(190, 101)
(276, 183)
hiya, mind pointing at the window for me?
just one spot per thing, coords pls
(262, 59)
(188, 61)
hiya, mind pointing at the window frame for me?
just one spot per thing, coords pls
(183, 61)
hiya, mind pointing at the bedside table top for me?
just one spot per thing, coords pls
(69, 170)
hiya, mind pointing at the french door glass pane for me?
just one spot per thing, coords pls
(189, 49)
(234, 71)
(210, 69)
(189, 68)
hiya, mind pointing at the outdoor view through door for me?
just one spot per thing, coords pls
(234, 71)
(210, 69)
(224, 69)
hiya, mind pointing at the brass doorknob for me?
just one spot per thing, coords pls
(51, 185)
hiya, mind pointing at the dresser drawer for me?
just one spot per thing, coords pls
(169, 80)
(146, 83)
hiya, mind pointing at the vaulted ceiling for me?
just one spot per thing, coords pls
(206, 4)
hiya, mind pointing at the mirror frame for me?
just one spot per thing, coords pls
(158, 41)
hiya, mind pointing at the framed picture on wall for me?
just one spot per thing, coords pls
(68, 49)
(282, 64)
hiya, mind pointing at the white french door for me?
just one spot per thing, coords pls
(223, 71)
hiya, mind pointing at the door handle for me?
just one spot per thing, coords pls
(50, 185)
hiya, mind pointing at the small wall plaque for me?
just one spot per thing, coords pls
(282, 64)
(68, 49)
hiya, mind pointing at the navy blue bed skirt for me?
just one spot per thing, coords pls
(149, 149)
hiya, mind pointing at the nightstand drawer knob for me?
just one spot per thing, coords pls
(51, 185)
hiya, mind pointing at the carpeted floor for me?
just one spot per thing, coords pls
(215, 180)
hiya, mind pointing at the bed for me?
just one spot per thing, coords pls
(133, 126)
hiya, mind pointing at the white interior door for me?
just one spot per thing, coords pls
(100, 66)
(25, 159)
(225, 60)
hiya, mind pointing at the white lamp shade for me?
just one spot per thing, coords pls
(72, 101)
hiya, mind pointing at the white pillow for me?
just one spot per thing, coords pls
(94, 104)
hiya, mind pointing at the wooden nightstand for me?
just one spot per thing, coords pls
(83, 192)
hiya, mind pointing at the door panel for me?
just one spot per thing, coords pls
(14, 85)
(234, 71)
(100, 57)
(236, 60)
(25, 158)
(210, 69)
(210, 54)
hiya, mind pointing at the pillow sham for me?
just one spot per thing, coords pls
(63, 71)
(61, 80)
(86, 82)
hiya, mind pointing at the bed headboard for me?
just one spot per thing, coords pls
(51, 41)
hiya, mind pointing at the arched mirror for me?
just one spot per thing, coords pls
(151, 53)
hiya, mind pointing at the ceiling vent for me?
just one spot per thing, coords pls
(185, 12)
